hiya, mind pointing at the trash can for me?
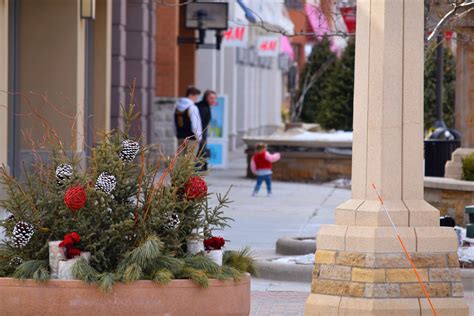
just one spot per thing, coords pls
(438, 150)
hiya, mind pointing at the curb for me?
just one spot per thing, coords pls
(284, 272)
(294, 246)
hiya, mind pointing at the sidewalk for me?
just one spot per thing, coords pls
(296, 209)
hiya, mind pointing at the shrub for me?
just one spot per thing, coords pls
(468, 167)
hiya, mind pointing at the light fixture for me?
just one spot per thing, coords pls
(88, 9)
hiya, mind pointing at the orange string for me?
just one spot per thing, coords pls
(423, 288)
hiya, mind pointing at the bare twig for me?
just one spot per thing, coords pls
(457, 11)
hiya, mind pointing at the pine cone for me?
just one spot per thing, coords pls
(16, 261)
(173, 221)
(129, 150)
(105, 183)
(63, 173)
(22, 232)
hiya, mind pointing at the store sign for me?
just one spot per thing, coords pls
(249, 57)
(349, 17)
(235, 36)
(268, 46)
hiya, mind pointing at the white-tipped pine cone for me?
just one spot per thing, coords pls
(105, 183)
(22, 232)
(63, 173)
(173, 221)
(129, 150)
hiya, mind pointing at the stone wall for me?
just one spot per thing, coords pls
(162, 125)
(319, 166)
(450, 197)
(386, 275)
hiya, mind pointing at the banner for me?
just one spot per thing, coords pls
(235, 36)
(268, 46)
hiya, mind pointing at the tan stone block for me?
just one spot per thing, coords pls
(354, 259)
(445, 274)
(335, 272)
(325, 256)
(383, 290)
(371, 213)
(322, 305)
(406, 275)
(331, 237)
(424, 260)
(422, 213)
(453, 259)
(345, 213)
(335, 287)
(368, 275)
(379, 239)
(391, 260)
(444, 307)
(436, 239)
(316, 271)
(457, 289)
(379, 307)
(434, 289)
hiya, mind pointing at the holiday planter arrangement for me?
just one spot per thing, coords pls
(128, 227)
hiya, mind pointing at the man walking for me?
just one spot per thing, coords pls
(209, 99)
(187, 119)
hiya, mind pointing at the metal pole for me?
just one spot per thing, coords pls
(439, 81)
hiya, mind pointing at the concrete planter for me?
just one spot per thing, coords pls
(73, 297)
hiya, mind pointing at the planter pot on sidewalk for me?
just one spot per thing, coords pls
(215, 255)
(178, 297)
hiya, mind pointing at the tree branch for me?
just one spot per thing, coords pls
(458, 9)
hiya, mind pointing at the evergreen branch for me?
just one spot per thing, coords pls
(41, 275)
(132, 273)
(81, 270)
(106, 281)
(162, 276)
(242, 260)
(30, 270)
(143, 255)
(201, 263)
(197, 276)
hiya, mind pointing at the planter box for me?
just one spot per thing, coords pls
(73, 297)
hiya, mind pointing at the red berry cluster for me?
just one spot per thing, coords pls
(75, 198)
(214, 243)
(69, 241)
(195, 188)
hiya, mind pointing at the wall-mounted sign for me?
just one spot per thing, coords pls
(235, 36)
(249, 57)
(268, 46)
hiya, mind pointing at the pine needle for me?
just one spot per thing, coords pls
(29, 269)
(162, 276)
(197, 276)
(41, 275)
(241, 260)
(81, 270)
(169, 263)
(132, 273)
(231, 273)
(144, 255)
(106, 281)
(202, 263)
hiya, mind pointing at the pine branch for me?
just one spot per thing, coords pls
(81, 270)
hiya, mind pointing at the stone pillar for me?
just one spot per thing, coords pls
(360, 265)
(464, 109)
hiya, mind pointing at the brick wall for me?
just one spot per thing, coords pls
(167, 50)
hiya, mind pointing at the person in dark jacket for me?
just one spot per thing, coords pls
(209, 99)
(187, 119)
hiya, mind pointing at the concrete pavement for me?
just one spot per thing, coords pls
(296, 209)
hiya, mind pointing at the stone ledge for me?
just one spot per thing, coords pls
(318, 304)
(449, 184)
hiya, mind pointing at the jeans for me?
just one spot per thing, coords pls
(268, 181)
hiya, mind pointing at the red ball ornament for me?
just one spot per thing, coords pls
(75, 198)
(195, 188)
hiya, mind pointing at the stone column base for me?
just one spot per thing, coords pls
(318, 304)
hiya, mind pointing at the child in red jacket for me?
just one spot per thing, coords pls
(261, 166)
